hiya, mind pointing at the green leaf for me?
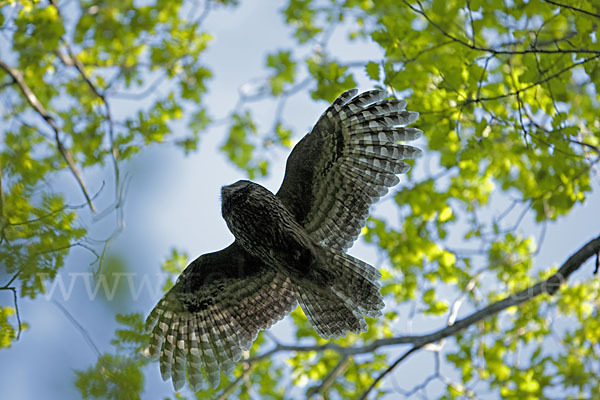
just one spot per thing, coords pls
(239, 148)
(372, 69)
(284, 71)
(7, 331)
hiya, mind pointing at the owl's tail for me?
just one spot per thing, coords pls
(338, 292)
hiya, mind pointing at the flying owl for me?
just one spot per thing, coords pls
(289, 247)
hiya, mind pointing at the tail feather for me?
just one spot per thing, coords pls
(356, 282)
(328, 314)
(338, 292)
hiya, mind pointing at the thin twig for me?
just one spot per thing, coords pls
(79, 327)
(338, 370)
(144, 93)
(532, 50)
(388, 370)
(227, 391)
(4, 85)
(480, 100)
(17, 312)
(523, 89)
(7, 285)
(1, 198)
(573, 8)
(76, 62)
(549, 286)
(14, 291)
(39, 108)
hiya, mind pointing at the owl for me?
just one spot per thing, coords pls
(290, 247)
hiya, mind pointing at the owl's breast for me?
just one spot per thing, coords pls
(265, 228)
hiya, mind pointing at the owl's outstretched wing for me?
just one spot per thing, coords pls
(346, 163)
(214, 310)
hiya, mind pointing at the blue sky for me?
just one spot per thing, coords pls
(174, 201)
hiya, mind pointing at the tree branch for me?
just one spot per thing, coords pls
(79, 327)
(532, 50)
(4, 85)
(573, 8)
(338, 370)
(388, 370)
(530, 86)
(519, 91)
(39, 108)
(8, 286)
(15, 300)
(231, 387)
(549, 286)
(1, 199)
(73, 60)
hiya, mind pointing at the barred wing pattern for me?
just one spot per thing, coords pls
(346, 163)
(333, 175)
(215, 309)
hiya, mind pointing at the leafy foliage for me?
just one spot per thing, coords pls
(508, 93)
(7, 330)
(239, 149)
(60, 81)
(173, 266)
(118, 376)
(285, 71)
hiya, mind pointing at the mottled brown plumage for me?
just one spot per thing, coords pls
(266, 229)
(289, 247)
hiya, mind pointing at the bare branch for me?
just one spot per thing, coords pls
(144, 93)
(17, 312)
(72, 60)
(388, 370)
(1, 198)
(549, 286)
(532, 50)
(230, 388)
(39, 108)
(79, 327)
(15, 300)
(204, 14)
(227, 391)
(338, 370)
(4, 85)
(8, 286)
(546, 79)
(573, 8)
(11, 280)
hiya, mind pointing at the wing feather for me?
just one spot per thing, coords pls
(179, 356)
(222, 300)
(346, 163)
(215, 309)
(194, 357)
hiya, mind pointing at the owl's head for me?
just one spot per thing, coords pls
(234, 195)
(235, 189)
